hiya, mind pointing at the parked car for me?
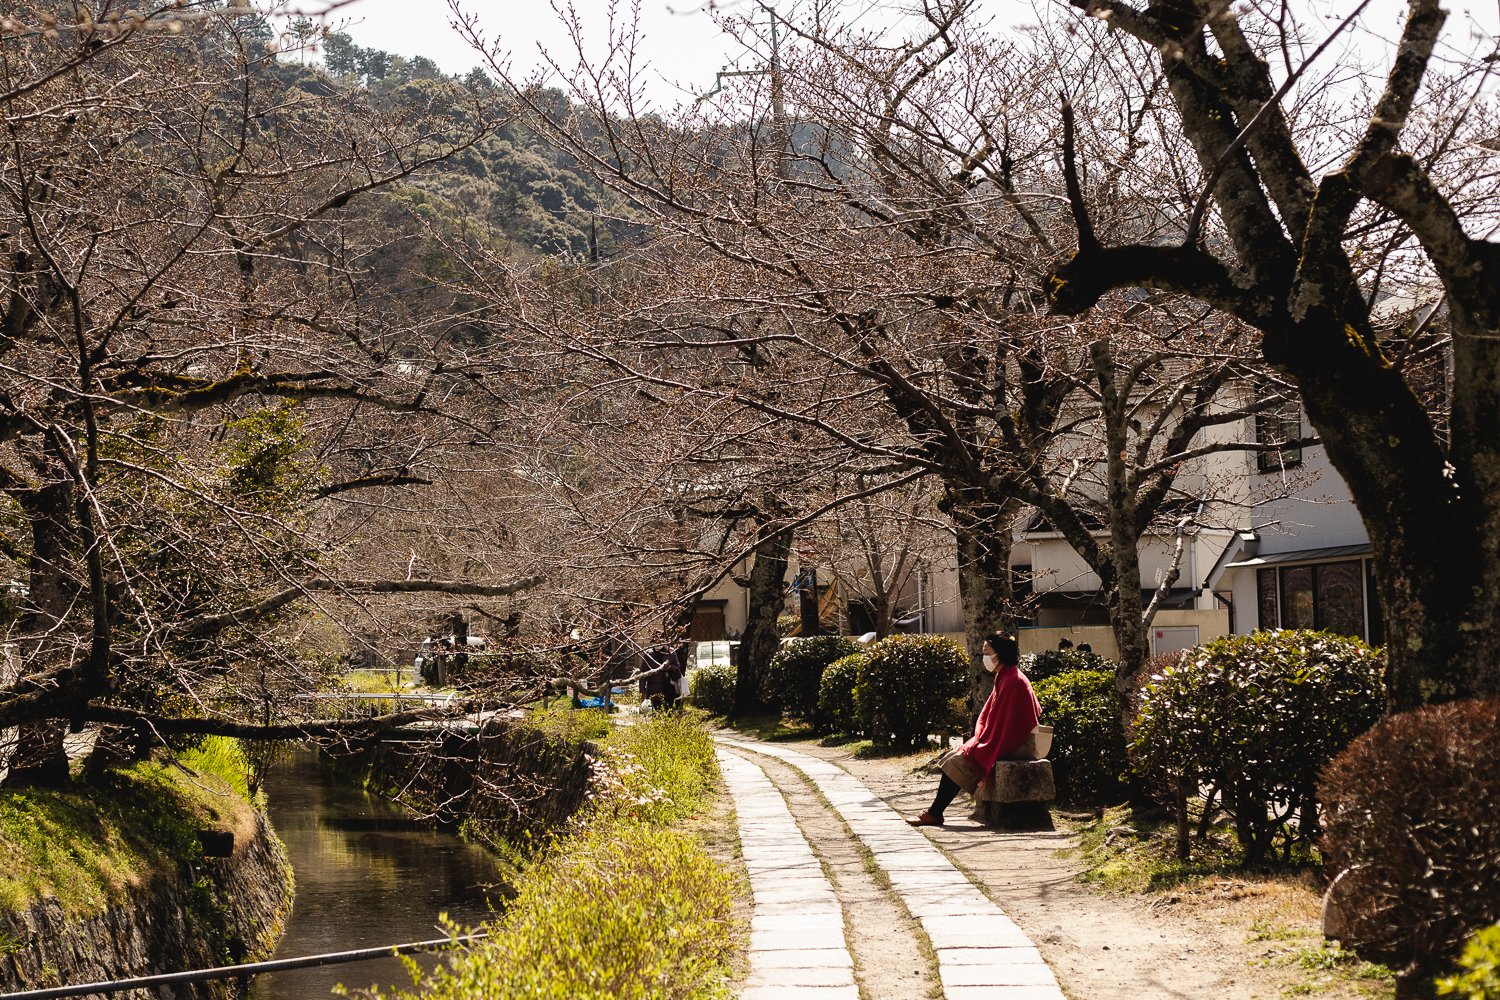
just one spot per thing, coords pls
(714, 653)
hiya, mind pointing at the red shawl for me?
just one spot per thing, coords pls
(1008, 717)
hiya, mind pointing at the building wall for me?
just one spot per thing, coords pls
(1210, 625)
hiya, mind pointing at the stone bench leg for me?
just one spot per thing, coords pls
(1020, 797)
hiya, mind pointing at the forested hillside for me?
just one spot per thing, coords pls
(524, 191)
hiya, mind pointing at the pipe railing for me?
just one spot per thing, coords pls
(249, 969)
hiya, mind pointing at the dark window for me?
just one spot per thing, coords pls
(1341, 598)
(1265, 593)
(1280, 423)
(1327, 596)
(1297, 603)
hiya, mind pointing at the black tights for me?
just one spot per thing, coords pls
(947, 788)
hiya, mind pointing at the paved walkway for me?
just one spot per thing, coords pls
(797, 946)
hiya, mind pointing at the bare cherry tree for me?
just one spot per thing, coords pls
(212, 406)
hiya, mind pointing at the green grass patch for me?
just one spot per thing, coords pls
(573, 725)
(86, 845)
(1126, 852)
(772, 727)
(378, 681)
(628, 905)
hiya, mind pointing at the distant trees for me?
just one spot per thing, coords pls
(210, 415)
(866, 273)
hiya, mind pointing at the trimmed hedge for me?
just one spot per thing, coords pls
(1412, 835)
(1054, 662)
(1254, 718)
(711, 688)
(796, 675)
(1088, 748)
(905, 686)
(836, 695)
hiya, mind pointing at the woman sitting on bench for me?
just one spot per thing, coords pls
(1005, 723)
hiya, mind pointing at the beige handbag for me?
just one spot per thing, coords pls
(1036, 746)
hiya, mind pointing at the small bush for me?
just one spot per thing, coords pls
(905, 686)
(1088, 747)
(836, 695)
(1053, 662)
(796, 675)
(1411, 830)
(1254, 718)
(1478, 977)
(712, 688)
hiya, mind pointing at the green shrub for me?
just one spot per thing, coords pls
(1478, 975)
(1254, 718)
(712, 688)
(796, 675)
(1088, 747)
(1052, 662)
(629, 912)
(836, 695)
(626, 908)
(905, 685)
(1411, 834)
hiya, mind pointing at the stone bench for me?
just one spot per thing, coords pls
(1020, 797)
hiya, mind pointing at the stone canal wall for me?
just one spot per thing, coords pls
(209, 912)
(506, 783)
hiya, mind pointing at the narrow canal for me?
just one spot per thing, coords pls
(366, 876)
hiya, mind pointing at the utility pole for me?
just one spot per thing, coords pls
(778, 91)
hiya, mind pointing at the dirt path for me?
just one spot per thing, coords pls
(1227, 939)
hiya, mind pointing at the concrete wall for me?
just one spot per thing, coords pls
(1210, 625)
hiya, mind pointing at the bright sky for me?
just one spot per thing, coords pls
(685, 48)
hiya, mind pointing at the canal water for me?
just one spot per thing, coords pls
(367, 876)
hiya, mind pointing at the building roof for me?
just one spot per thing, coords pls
(1328, 554)
(1177, 597)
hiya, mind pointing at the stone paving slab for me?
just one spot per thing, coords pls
(982, 954)
(1002, 993)
(797, 945)
(850, 992)
(807, 958)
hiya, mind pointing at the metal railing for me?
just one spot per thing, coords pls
(249, 969)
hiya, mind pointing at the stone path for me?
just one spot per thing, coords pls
(981, 952)
(797, 946)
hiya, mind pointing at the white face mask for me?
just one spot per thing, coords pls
(991, 662)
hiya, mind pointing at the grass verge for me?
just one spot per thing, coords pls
(627, 905)
(87, 845)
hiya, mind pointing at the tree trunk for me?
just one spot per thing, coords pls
(40, 758)
(759, 643)
(984, 582)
